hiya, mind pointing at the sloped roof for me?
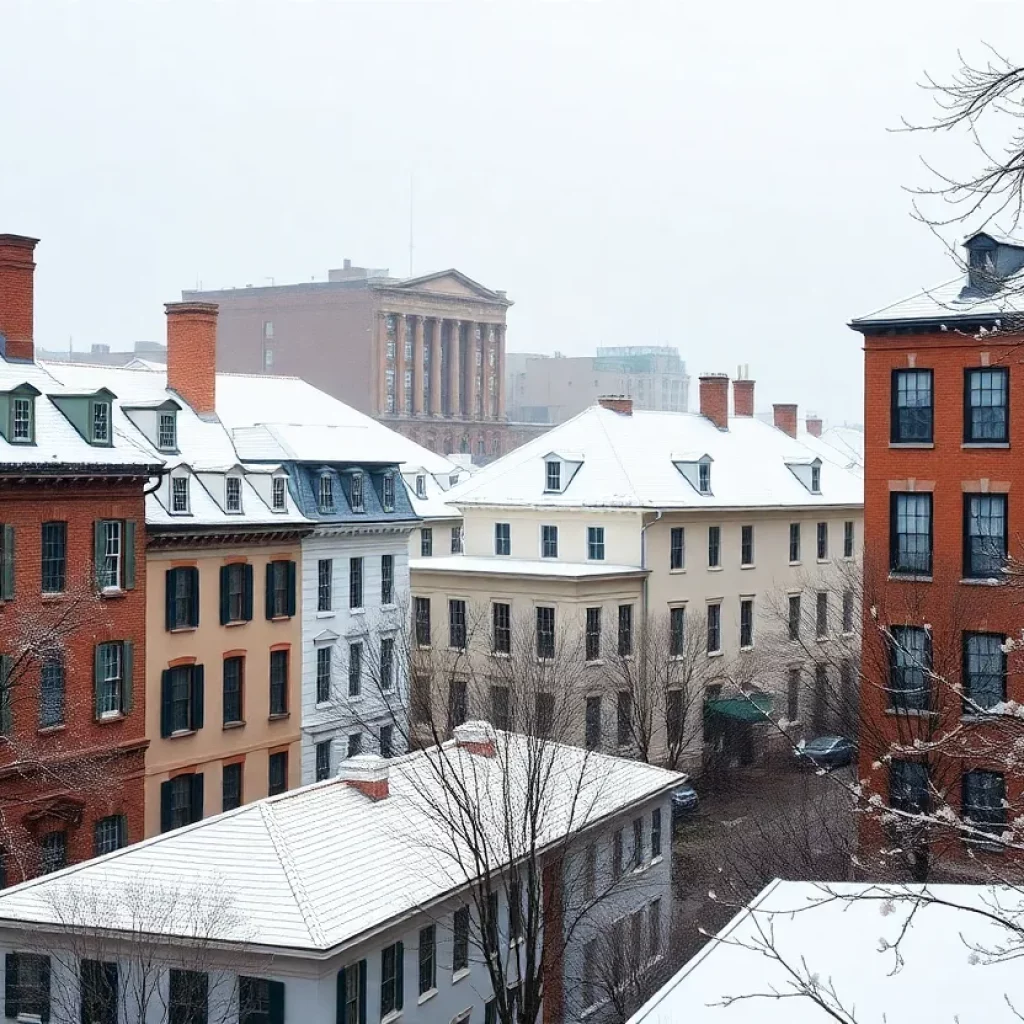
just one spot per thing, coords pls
(314, 868)
(841, 942)
(944, 302)
(847, 441)
(627, 463)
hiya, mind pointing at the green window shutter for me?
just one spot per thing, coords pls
(291, 588)
(6, 684)
(165, 703)
(197, 696)
(11, 1007)
(7, 579)
(166, 793)
(276, 1015)
(248, 589)
(224, 603)
(194, 586)
(170, 578)
(197, 796)
(96, 670)
(270, 590)
(99, 550)
(399, 974)
(129, 554)
(128, 673)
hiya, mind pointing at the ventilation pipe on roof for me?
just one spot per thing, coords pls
(476, 738)
(368, 773)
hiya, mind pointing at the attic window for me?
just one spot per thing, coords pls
(179, 495)
(325, 494)
(357, 492)
(453, 479)
(808, 472)
(421, 486)
(166, 432)
(233, 494)
(278, 494)
(388, 490)
(704, 477)
(552, 475)
(816, 479)
(99, 422)
(23, 426)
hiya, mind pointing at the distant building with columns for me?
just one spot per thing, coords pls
(425, 355)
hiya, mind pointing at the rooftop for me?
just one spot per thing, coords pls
(545, 567)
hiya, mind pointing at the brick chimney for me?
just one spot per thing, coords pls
(785, 418)
(714, 398)
(476, 738)
(17, 273)
(192, 353)
(814, 426)
(368, 773)
(743, 397)
(617, 403)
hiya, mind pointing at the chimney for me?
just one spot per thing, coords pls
(192, 353)
(814, 425)
(476, 738)
(714, 398)
(743, 397)
(785, 418)
(17, 270)
(368, 773)
(617, 403)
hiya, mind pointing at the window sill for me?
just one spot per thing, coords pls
(657, 860)
(714, 568)
(746, 647)
(823, 561)
(357, 611)
(909, 577)
(594, 663)
(427, 996)
(641, 870)
(500, 655)
(279, 618)
(233, 725)
(748, 565)
(715, 654)
(54, 595)
(183, 629)
(113, 593)
(236, 622)
(325, 615)
(796, 563)
(463, 972)
(279, 716)
(110, 716)
(179, 733)
(389, 1017)
(974, 717)
(911, 444)
(676, 572)
(823, 639)
(967, 445)
(979, 581)
(390, 606)
(322, 705)
(911, 712)
(47, 730)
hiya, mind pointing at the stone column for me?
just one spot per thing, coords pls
(472, 371)
(454, 402)
(490, 351)
(417, 368)
(382, 363)
(435, 368)
(500, 370)
(402, 327)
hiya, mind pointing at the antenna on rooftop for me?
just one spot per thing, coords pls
(410, 221)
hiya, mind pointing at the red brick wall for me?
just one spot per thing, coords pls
(84, 769)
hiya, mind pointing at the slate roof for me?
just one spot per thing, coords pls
(944, 303)
(316, 868)
(627, 462)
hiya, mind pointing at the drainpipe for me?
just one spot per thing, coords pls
(643, 585)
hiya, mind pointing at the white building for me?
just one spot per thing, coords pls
(348, 900)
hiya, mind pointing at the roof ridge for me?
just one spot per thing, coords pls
(306, 906)
(615, 452)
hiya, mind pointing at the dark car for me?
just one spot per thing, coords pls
(684, 801)
(827, 752)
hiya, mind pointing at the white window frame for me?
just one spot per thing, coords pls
(421, 485)
(553, 476)
(112, 573)
(325, 494)
(162, 420)
(102, 408)
(22, 403)
(180, 492)
(234, 507)
(356, 490)
(111, 697)
(279, 490)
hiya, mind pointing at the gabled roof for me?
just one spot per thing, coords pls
(467, 283)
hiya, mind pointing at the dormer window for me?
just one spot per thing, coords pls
(808, 472)
(233, 494)
(357, 492)
(388, 492)
(453, 479)
(279, 494)
(179, 495)
(695, 468)
(816, 479)
(23, 425)
(99, 421)
(552, 475)
(167, 432)
(421, 486)
(325, 493)
(704, 477)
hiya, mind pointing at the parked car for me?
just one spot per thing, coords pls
(827, 752)
(684, 801)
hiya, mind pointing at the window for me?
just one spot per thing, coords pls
(260, 1001)
(847, 611)
(391, 980)
(593, 723)
(714, 628)
(98, 987)
(355, 583)
(233, 494)
(624, 718)
(100, 423)
(821, 615)
(747, 622)
(677, 548)
(491, 1011)
(421, 616)
(181, 699)
(908, 786)
(279, 492)
(182, 598)
(457, 624)
(793, 695)
(822, 540)
(746, 545)
(421, 486)
(984, 534)
(27, 987)
(552, 476)
(54, 550)
(500, 713)
(324, 657)
(387, 579)
(110, 678)
(428, 960)
(590, 970)
(501, 616)
(677, 632)
(910, 534)
(815, 479)
(231, 786)
(188, 997)
(636, 858)
(489, 924)
(22, 421)
(545, 632)
(166, 432)
(426, 542)
(503, 538)
(355, 744)
(458, 703)
(53, 852)
(322, 752)
(456, 540)
(654, 928)
(280, 589)
(909, 665)
(277, 773)
(460, 940)
(984, 801)
(325, 494)
(704, 477)
(617, 865)
(986, 395)
(385, 741)
(325, 584)
(595, 543)
(355, 669)
(625, 630)
(549, 542)
(984, 671)
(593, 635)
(352, 994)
(51, 691)
(714, 547)
(848, 539)
(179, 495)
(387, 663)
(235, 593)
(794, 616)
(279, 682)
(356, 492)
(234, 669)
(387, 487)
(515, 910)
(794, 542)
(655, 833)
(181, 801)
(110, 552)
(912, 410)
(543, 713)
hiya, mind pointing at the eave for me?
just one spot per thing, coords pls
(162, 536)
(929, 325)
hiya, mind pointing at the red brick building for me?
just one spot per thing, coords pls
(943, 508)
(72, 606)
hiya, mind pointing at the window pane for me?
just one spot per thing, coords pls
(912, 420)
(985, 672)
(986, 404)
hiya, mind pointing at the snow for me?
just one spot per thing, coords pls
(546, 567)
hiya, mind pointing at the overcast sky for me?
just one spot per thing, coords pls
(713, 176)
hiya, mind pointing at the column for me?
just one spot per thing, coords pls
(382, 363)
(471, 370)
(454, 403)
(490, 352)
(400, 335)
(500, 370)
(435, 367)
(417, 368)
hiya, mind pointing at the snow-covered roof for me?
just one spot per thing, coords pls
(838, 934)
(544, 567)
(847, 441)
(434, 505)
(317, 867)
(946, 301)
(627, 461)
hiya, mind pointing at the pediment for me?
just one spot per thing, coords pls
(448, 282)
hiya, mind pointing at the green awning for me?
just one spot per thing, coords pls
(742, 709)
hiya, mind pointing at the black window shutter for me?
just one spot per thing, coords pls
(197, 796)
(362, 993)
(399, 974)
(270, 590)
(165, 703)
(247, 593)
(44, 981)
(197, 696)
(893, 540)
(129, 555)
(291, 588)
(165, 805)
(276, 992)
(194, 587)
(341, 1016)
(225, 572)
(170, 578)
(11, 1008)
(128, 674)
